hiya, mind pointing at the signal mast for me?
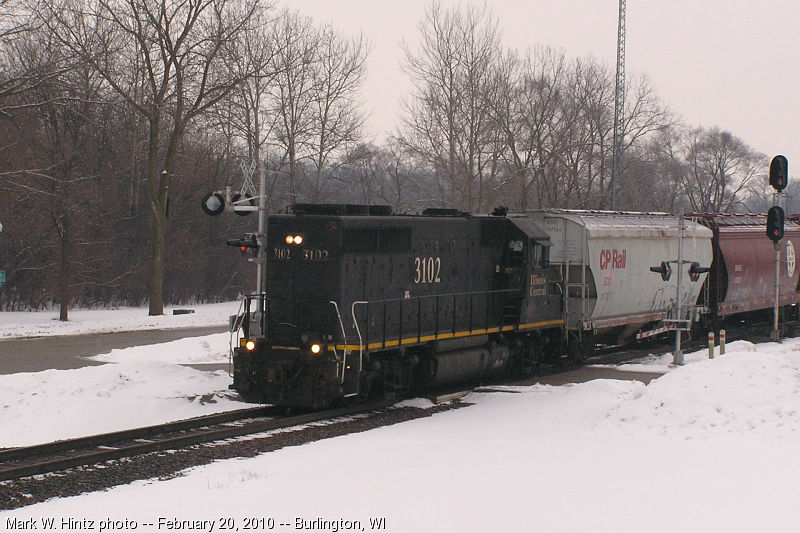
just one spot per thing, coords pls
(619, 109)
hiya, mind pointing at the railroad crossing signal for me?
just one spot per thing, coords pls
(248, 188)
(213, 204)
(664, 269)
(241, 203)
(775, 217)
(695, 270)
(779, 173)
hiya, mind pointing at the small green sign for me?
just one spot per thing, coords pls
(2, 276)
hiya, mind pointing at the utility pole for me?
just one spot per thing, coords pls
(619, 110)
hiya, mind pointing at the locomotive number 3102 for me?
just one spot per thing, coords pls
(428, 269)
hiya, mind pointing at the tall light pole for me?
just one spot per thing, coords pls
(619, 109)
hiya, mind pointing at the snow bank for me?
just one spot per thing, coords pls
(144, 385)
(744, 393)
(208, 349)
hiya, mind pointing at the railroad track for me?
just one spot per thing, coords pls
(755, 331)
(16, 463)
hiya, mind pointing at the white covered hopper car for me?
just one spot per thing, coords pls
(604, 260)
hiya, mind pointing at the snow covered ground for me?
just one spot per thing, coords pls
(144, 385)
(710, 446)
(84, 321)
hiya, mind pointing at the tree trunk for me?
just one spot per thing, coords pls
(157, 264)
(157, 198)
(64, 296)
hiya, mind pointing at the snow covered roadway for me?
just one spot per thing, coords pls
(710, 446)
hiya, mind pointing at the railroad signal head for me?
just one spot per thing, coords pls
(775, 218)
(664, 269)
(249, 241)
(779, 172)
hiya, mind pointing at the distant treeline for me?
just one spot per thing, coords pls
(116, 118)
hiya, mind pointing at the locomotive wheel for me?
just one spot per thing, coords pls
(389, 394)
(529, 358)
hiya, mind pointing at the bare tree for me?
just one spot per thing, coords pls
(448, 121)
(63, 175)
(557, 120)
(17, 21)
(718, 167)
(585, 165)
(293, 90)
(253, 57)
(653, 173)
(580, 172)
(382, 174)
(179, 47)
(401, 186)
(340, 72)
(531, 113)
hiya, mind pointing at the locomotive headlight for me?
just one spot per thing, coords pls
(250, 345)
(289, 239)
(298, 239)
(316, 348)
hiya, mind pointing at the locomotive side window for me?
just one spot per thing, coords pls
(516, 255)
(540, 256)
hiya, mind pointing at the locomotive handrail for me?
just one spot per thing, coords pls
(360, 344)
(358, 331)
(469, 300)
(497, 291)
(235, 326)
(344, 338)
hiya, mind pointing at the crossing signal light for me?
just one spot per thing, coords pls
(779, 172)
(775, 218)
(242, 199)
(695, 270)
(213, 204)
(664, 269)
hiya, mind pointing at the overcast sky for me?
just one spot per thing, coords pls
(733, 64)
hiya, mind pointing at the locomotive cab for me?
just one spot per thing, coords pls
(535, 295)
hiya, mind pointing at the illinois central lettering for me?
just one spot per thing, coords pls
(612, 259)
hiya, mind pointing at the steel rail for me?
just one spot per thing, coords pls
(10, 454)
(15, 464)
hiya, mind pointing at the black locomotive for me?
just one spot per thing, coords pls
(359, 301)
